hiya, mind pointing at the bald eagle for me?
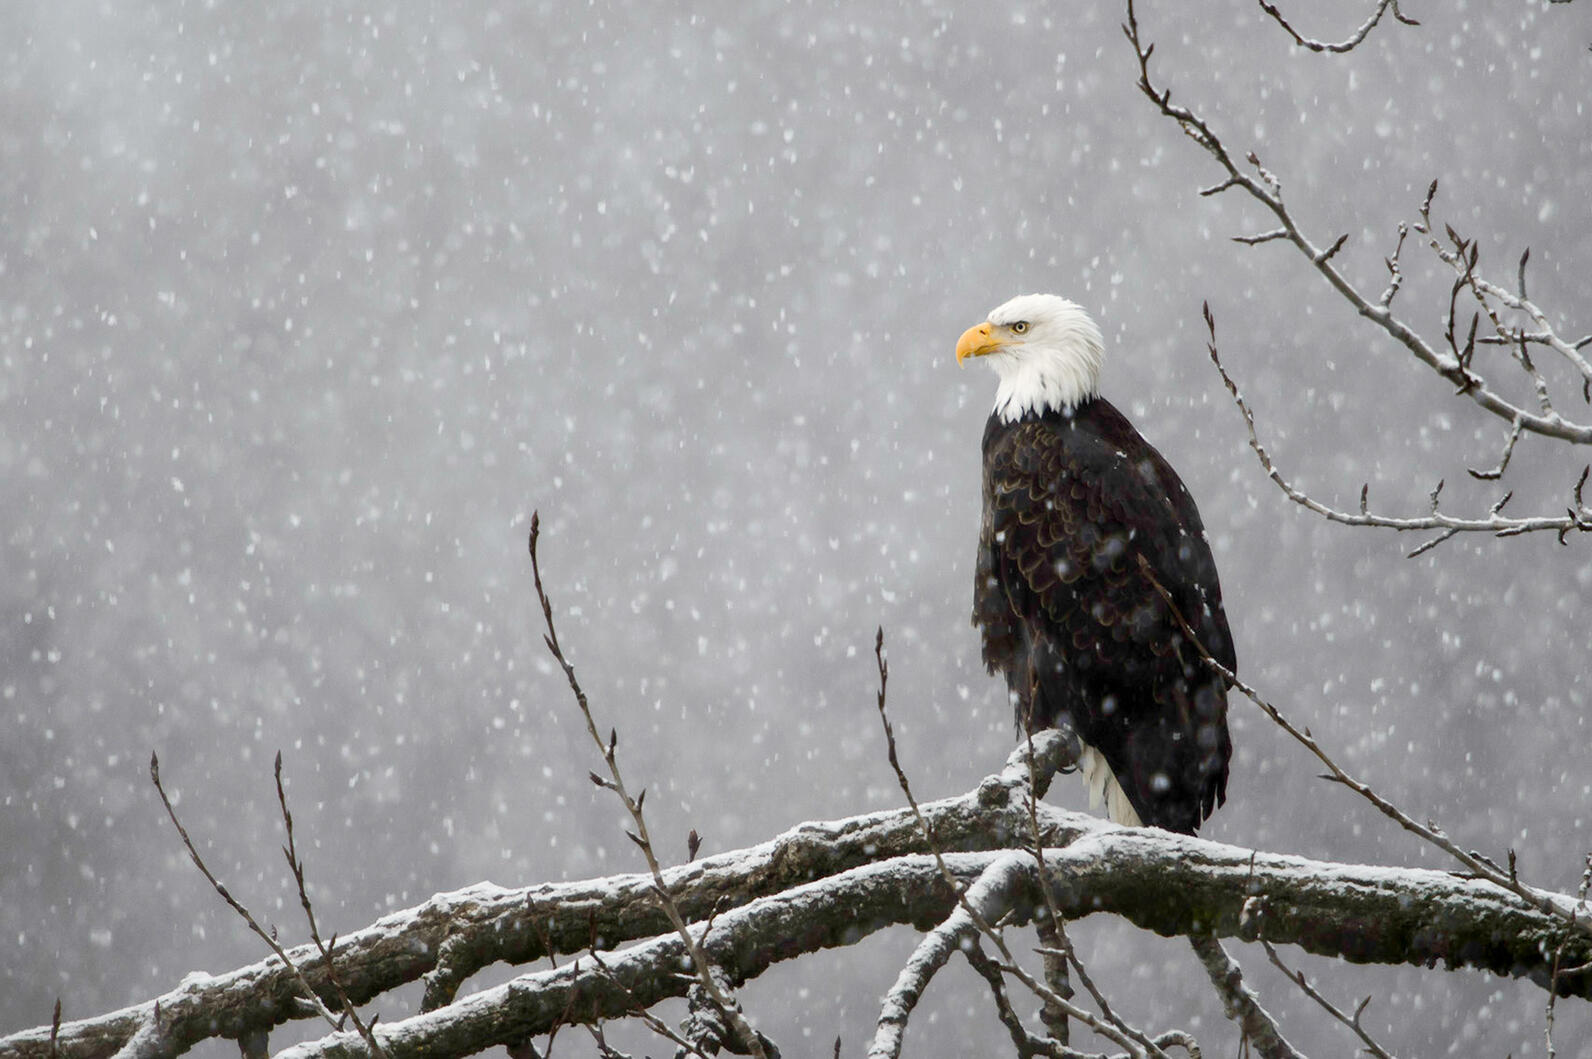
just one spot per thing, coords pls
(1074, 499)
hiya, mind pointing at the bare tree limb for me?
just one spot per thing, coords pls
(1266, 189)
(1242, 1006)
(1354, 39)
(1170, 884)
(730, 1010)
(1577, 518)
(1352, 1021)
(1558, 906)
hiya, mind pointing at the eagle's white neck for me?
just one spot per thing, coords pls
(1048, 378)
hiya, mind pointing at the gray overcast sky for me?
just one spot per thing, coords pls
(305, 308)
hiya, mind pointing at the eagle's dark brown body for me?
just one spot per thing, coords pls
(1072, 499)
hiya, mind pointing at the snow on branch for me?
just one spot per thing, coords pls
(722, 1002)
(1354, 39)
(1170, 884)
(449, 938)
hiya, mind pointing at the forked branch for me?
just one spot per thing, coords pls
(701, 966)
(1453, 363)
(1577, 517)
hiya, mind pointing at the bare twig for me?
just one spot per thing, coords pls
(326, 949)
(1054, 949)
(1352, 1021)
(1483, 868)
(886, 1043)
(639, 1011)
(615, 782)
(309, 993)
(1052, 929)
(1354, 39)
(1461, 254)
(1577, 518)
(1025, 1043)
(1265, 188)
(1558, 955)
(1242, 1006)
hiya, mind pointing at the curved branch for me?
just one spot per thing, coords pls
(1354, 39)
(1266, 189)
(1240, 1002)
(990, 896)
(452, 936)
(1577, 518)
(1170, 884)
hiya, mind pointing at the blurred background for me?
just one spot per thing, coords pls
(305, 308)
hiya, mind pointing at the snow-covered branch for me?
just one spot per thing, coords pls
(867, 872)
(1353, 40)
(452, 936)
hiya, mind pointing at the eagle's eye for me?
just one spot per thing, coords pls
(1019, 327)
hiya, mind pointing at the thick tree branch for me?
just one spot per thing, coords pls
(1241, 1004)
(1171, 884)
(452, 936)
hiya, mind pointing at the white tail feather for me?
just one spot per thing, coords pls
(1103, 787)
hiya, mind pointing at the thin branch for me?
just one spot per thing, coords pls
(1354, 40)
(1264, 237)
(887, 1036)
(1025, 1043)
(1459, 255)
(1578, 518)
(1352, 1021)
(647, 1018)
(616, 783)
(1395, 272)
(308, 991)
(1503, 460)
(1264, 187)
(1558, 952)
(290, 851)
(1052, 928)
(1542, 900)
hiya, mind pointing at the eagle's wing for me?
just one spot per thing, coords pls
(1071, 506)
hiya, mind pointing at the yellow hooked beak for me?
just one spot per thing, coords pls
(979, 340)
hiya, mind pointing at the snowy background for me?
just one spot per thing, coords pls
(304, 308)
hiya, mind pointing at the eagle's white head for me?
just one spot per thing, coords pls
(1046, 350)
